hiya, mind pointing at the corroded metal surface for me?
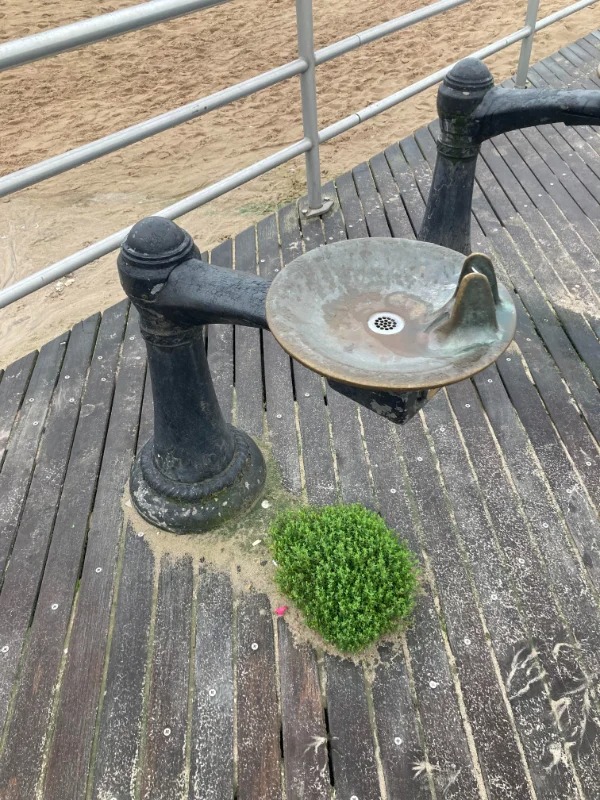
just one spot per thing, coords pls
(321, 306)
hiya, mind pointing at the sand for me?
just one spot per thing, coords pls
(66, 101)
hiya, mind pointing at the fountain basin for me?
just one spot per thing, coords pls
(390, 315)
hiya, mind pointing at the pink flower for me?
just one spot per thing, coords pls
(281, 610)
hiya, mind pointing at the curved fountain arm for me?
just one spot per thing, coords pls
(472, 110)
(503, 110)
(197, 293)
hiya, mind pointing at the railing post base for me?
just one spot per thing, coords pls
(308, 213)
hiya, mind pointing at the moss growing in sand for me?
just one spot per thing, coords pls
(351, 577)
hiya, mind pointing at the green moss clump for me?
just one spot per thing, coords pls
(345, 570)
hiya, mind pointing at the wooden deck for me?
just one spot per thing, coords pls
(122, 678)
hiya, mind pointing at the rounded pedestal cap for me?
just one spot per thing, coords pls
(151, 251)
(469, 75)
(155, 240)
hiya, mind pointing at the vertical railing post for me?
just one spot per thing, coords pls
(527, 44)
(316, 203)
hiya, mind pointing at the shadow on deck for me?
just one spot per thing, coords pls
(123, 675)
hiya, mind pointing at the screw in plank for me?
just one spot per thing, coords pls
(167, 731)
(254, 646)
(5, 648)
(398, 740)
(54, 606)
(212, 692)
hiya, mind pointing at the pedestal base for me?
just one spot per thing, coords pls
(198, 507)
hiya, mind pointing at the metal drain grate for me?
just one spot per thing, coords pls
(386, 323)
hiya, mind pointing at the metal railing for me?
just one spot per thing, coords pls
(67, 37)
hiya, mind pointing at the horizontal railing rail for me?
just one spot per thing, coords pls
(96, 29)
(68, 37)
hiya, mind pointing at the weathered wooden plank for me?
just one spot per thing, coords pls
(405, 179)
(281, 417)
(120, 725)
(589, 47)
(351, 460)
(304, 732)
(400, 746)
(212, 732)
(21, 762)
(543, 188)
(146, 428)
(220, 342)
(258, 728)
(354, 766)
(564, 163)
(163, 769)
(370, 200)
(395, 212)
(68, 759)
(309, 395)
(547, 531)
(15, 380)
(451, 760)
(521, 618)
(497, 742)
(249, 400)
(545, 589)
(443, 757)
(24, 441)
(559, 470)
(22, 576)
(544, 214)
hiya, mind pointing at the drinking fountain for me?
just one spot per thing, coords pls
(387, 322)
